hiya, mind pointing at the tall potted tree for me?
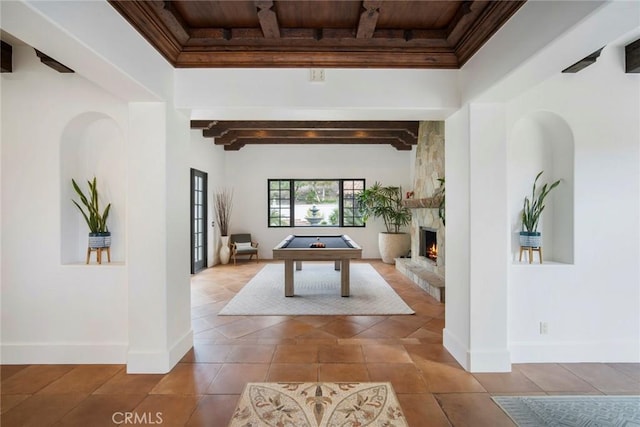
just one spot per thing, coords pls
(386, 203)
(531, 213)
(99, 234)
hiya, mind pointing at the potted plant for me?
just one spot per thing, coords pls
(386, 203)
(223, 201)
(531, 212)
(99, 235)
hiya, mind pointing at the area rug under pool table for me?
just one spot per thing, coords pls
(318, 405)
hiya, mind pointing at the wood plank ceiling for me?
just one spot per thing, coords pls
(315, 34)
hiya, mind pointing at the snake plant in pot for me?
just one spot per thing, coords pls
(99, 235)
(386, 203)
(531, 213)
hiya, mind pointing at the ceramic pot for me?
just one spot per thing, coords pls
(393, 245)
(100, 240)
(225, 252)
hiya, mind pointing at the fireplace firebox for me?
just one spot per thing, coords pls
(429, 243)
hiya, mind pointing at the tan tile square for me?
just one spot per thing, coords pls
(340, 354)
(41, 410)
(433, 352)
(187, 378)
(473, 409)
(100, 410)
(296, 354)
(82, 379)
(405, 377)
(251, 354)
(343, 328)
(422, 410)
(552, 377)
(448, 378)
(213, 410)
(604, 377)
(7, 370)
(33, 378)
(507, 382)
(207, 353)
(386, 353)
(293, 372)
(166, 410)
(343, 372)
(8, 401)
(123, 383)
(234, 376)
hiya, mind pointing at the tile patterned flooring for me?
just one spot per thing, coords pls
(203, 388)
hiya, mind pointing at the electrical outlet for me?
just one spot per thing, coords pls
(544, 328)
(316, 75)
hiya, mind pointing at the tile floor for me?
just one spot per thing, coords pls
(203, 388)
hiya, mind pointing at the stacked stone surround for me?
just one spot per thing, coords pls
(429, 167)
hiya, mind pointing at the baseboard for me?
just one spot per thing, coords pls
(45, 353)
(159, 362)
(458, 350)
(490, 361)
(574, 352)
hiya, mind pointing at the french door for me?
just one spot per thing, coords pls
(198, 221)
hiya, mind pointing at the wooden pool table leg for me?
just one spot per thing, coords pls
(344, 277)
(288, 277)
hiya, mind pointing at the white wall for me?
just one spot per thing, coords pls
(247, 171)
(43, 299)
(591, 307)
(346, 94)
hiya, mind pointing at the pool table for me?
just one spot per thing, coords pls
(338, 248)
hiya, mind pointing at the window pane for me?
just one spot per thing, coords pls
(314, 203)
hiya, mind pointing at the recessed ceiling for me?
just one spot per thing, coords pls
(317, 33)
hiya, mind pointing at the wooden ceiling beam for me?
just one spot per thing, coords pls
(268, 19)
(632, 57)
(368, 19)
(217, 128)
(6, 59)
(313, 58)
(52, 63)
(316, 141)
(234, 135)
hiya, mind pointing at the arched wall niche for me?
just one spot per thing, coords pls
(92, 144)
(543, 141)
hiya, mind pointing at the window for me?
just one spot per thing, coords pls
(314, 203)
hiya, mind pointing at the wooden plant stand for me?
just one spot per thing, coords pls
(530, 250)
(98, 252)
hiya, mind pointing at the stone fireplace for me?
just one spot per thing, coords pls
(426, 267)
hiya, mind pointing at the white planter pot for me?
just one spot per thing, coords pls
(393, 245)
(530, 240)
(100, 240)
(225, 252)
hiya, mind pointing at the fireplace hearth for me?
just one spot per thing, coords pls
(429, 243)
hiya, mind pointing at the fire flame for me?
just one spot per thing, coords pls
(432, 252)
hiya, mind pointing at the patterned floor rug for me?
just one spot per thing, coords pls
(317, 292)
(318, 405)
(569, 411)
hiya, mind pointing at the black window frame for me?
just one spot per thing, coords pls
(290, 209)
